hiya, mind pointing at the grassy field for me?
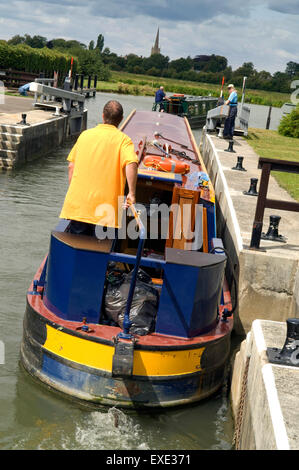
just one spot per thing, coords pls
(270, 144)
(128, 83)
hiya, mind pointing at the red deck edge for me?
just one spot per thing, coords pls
(109, 332)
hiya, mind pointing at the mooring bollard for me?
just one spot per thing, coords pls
(220, 133)
(252, 189)
(95, 85)
(24, 117)
(81, 82)
(239, 165)
(76, 82)
(289, 354)
(230, 147)
(23, 122)
(57, 111)
(272, 233)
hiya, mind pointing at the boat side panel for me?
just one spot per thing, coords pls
(75, 282)
(128, 393)
(70, 364)
(99, 356)
(189, 299)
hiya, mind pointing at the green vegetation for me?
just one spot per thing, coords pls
(23, 57)
(200, 75)
(134, 84)
(36, 54)
(270, 144)
(289, 125)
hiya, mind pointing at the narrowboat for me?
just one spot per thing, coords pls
(194, 108)
(141, 320)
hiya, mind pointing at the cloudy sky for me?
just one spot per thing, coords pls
(265, 32)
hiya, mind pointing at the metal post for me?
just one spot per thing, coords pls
(89, 81)
(81, 82)
(243, 91)
(95, 85)
(260, 207)
(76, 82)
(269, 118)
(142, 235)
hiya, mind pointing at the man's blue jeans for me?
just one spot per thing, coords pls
(229, 125)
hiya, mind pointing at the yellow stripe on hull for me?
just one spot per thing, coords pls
(99, 356)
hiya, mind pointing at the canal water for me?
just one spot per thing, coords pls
(32, 417)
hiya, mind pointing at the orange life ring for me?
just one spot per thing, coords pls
(166, 164)
(178, 94)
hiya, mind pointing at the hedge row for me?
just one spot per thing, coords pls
(289, 125)
(27, 59)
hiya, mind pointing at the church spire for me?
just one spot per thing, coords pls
(156, 48)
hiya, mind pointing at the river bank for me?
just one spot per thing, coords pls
(146, 85)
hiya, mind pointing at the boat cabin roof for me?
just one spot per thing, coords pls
(171, 132)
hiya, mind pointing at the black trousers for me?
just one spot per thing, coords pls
(229, 125)
(83, 228)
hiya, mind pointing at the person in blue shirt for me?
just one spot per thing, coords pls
(159, 97)
(23, 89)
(232, 102)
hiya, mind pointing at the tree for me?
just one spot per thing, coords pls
(292, 69)
(15, 40)
(181, 65)
(64, 45)
(133, 61)
(217, 63)
(91, 46)
(37, 42)
(210, 63)
(281, 82)
(100, 43)
(246, 70)
(156, 62)
(90, 63)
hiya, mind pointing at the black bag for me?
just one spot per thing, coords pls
(144, 305)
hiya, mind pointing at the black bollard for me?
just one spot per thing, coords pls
(239, 165)
(272, 233)
(252, 189)
(81, 81)
(76, 82)
(289, 354)
(23, 122)
(230, 147)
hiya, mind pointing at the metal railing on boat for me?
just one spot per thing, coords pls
(142, 236)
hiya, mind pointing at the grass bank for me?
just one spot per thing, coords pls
(270, 144)
(146, 85)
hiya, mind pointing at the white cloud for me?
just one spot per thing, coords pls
(242, 32)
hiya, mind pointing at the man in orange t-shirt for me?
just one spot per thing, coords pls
(101, 161)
